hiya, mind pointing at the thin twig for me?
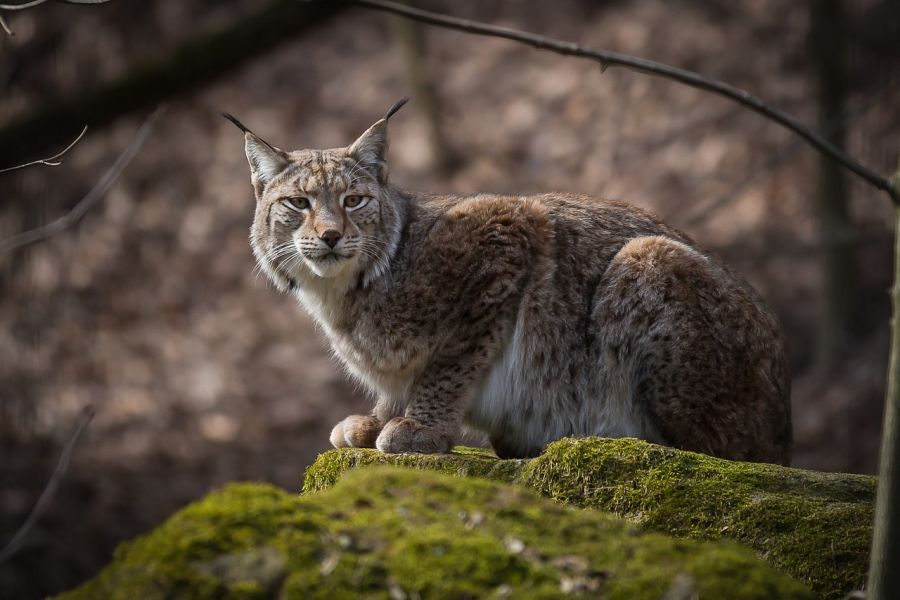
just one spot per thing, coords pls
(34, 3)
(80, 209)
(52, 161)
(608, 59)
(50, 489)
(700, 214)
(175, 70)
(22, 6)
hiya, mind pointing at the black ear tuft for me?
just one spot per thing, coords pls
(397, 106)
(237, 123)
(266, 161)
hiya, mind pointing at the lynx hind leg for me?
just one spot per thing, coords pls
(704, 358)
(356, 431)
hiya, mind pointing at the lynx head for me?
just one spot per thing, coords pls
(323, 214)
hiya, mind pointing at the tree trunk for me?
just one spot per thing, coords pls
(828, 43)
(884, 566)
(409, 36)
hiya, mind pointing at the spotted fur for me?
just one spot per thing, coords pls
(528, 318)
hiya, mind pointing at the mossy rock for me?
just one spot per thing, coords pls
(386, 532)
(814, 526)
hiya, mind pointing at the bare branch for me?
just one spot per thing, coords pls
(608, 59)
(52, 161)
(702, 213)
(80, 209)
(34, 3)
(50, 489)
(22, 6)
(171, 71)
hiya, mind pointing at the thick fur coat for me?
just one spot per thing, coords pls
(529, 318)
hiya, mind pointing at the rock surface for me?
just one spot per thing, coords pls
(386, 532)
(812, 525)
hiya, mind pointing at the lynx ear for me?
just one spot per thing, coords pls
(371, 147)
(266, 161)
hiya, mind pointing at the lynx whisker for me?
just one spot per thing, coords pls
(376, 246)
(272, 255)
(289, 266)
(280, 250)
(369, 252)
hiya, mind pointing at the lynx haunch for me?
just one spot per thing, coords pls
(529, 318)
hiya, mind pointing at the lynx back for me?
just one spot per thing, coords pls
(529, 318)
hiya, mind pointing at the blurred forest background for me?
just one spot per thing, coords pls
(200, 373)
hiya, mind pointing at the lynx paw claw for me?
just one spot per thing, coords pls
(402, 434)
(356, 431)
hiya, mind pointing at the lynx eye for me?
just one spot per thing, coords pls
(297, 204)
(355, 201)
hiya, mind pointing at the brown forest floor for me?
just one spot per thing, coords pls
(202, 374)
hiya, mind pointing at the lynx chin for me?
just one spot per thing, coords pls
(528, 318)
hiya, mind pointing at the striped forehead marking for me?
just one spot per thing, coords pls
(319, 171)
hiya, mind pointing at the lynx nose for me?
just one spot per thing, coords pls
(331, 237)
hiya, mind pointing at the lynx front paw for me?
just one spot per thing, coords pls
(356, 431)
(402, 434)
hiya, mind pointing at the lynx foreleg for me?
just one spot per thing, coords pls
(433, 417)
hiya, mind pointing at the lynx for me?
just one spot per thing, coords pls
(528, 318)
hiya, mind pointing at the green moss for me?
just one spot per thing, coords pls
(462, 462)
(814, 526)
(384, 531)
